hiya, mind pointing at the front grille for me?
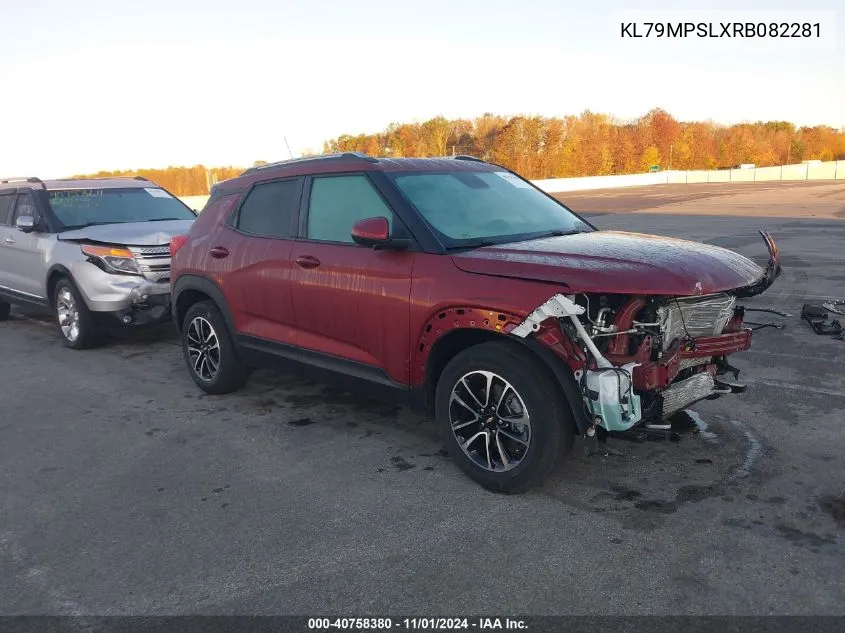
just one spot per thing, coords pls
(154, 261)
(695, 316)
(685, 392)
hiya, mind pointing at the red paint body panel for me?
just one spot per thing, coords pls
(438, 286)
(257, 285)
(355, 304)
(618, 263)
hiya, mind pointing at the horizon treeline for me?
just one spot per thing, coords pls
(180, 181)
(597, 144)
(538, 147)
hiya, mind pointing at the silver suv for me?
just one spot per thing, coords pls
(96, 252)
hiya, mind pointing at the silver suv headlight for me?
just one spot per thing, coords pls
(113, 259)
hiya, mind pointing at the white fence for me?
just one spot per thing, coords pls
(828, 170)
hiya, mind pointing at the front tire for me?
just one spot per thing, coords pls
(503, 417)
(77, 327)
(5, 309)
(209, 350)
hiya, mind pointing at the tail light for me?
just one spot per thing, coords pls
(176, 242)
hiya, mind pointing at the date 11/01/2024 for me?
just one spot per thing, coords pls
(723, 29)
(421, 624)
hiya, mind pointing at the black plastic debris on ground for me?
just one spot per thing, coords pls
(818, 318)
(771, 324)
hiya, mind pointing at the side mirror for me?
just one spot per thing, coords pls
(25, 223)
(375, 232)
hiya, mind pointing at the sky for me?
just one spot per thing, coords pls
(111, 84)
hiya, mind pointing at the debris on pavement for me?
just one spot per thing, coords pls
(771, 324)
(817, 316)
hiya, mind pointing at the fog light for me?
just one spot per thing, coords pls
(127, 319)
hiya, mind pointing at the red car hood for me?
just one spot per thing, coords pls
(617, 262)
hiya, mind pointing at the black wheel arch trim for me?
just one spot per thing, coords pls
(61, 270)
(564, 377)
(207, 287)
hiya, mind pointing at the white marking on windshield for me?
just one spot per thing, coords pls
(514, 180)
(157, 193)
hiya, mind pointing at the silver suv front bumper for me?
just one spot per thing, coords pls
(105, 292)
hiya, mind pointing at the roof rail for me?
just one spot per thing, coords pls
(302, 159)
(468, 157)
(142, 178)
(32, 179)
(360, 155)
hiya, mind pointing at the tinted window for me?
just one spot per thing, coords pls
(6, 206)
(81, 207)
(337, 202)
(268, 209)
(26, 206)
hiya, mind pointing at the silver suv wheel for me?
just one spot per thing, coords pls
(203, 349)
(68, 314)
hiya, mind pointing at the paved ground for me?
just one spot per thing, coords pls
(123, 489)
(808, 199)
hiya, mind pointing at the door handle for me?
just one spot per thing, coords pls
(307, 261)
(9, 240)
(219, 252)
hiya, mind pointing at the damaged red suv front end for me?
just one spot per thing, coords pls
(665, 345)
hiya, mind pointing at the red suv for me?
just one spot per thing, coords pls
(460, 287)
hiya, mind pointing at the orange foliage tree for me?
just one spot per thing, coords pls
(180, 181)
(589, 144)
(593, 144)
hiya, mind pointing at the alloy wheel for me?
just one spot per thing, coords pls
(203, 349)
(68, 314)
(490, 421)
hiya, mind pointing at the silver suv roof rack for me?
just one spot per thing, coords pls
(30, 179)
(468, 157)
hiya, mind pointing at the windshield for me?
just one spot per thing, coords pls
(84, 207)
(493, 207)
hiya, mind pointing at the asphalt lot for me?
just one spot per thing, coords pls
(125, 490)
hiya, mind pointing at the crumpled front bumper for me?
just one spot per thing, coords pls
(124, 294)
(660, 374)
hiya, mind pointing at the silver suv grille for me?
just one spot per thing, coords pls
(154, 261)
(700, 316)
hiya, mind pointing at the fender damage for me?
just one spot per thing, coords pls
(647, 356)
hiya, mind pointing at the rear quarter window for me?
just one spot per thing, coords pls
(7, 203)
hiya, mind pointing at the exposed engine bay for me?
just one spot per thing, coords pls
(641, 359)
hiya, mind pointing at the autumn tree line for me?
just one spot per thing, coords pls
(180, 181)
(586, 145)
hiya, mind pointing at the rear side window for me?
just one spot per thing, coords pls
(7, 203)
(337, 202)
(269, 208)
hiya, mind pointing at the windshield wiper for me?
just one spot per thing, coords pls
(478, 244)
(558, 233)
(162, 219)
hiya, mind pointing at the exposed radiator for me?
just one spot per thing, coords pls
(685, 392)
(698, 316)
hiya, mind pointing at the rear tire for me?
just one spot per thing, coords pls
(77, 327)
(5, 308)
(209, 350)
(524, 430)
